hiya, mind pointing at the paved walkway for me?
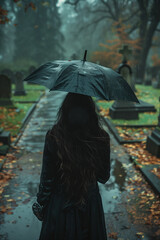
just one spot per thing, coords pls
(119, 196)
(41, 121)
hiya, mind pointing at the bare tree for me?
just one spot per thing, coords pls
(142, 15)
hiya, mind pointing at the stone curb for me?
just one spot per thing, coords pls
(114, 131)
(112, 128)
(24, 123)
(153, 180)
(136, 126)
(145, 170)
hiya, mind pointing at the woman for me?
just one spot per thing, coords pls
(76, 156)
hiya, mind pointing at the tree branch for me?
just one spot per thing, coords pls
(94, 22)
(133, 28)
(131, 16)
(109, 9)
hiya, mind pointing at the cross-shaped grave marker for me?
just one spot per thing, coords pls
(126, 52)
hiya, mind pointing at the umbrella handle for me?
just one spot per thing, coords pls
(85, 54)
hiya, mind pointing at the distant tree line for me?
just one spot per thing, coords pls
(33, 30)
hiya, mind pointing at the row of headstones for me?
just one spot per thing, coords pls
(7, 77)
(152, 81)
(18, 74)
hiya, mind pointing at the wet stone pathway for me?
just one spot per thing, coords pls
(42, 120)
(19, 195)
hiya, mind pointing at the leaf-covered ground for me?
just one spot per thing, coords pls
(142, 156)
(134, 133)
(11, 117)
(138, 150)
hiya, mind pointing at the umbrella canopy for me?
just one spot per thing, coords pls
(83, 77)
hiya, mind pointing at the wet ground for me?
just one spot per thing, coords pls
(120, 194)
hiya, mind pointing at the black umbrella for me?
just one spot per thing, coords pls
(80, 76)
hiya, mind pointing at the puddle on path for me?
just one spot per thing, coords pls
(22, 224)
(111, 191)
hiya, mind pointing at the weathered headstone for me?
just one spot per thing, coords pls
(5, 90)
(156, 83)
(148, 81)
(122, 109)
(128, 110)
(148, 77)
(9, 73)
(19, 85)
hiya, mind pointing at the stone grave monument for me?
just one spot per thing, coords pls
(7, 72)
(5, 90)
(128, 110)
(153, 141)
(123, 109)
(19, 85)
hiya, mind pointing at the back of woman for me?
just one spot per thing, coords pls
(76, 155)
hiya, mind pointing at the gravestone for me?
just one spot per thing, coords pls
(5, 90)
(19, 85)
(9, 73)
(123, 109)
(153, 141)
(148, 80)
(128, 110)
(156, 83)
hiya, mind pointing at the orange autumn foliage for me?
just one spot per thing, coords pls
(110, 56)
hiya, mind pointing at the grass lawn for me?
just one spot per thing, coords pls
(11, 118)
(31, 87)
(31, 96)
(33, 92)
(145, 93)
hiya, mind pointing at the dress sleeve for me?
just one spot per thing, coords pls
(47, 177)
(103, 169)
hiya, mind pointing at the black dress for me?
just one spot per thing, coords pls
(62, 219)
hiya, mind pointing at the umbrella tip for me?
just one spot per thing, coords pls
(85, 55)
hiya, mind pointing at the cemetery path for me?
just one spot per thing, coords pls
(125, 193)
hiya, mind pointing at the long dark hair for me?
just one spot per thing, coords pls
(80, 138)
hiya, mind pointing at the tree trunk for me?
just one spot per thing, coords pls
(147, 43)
